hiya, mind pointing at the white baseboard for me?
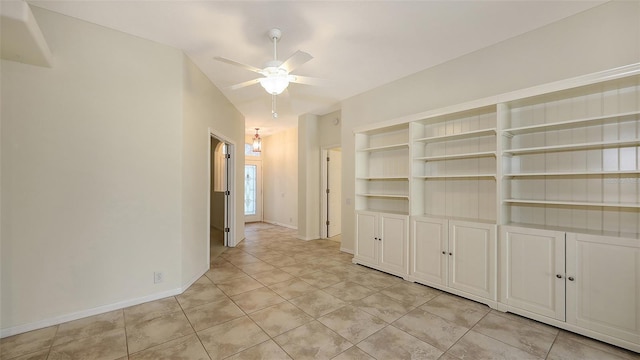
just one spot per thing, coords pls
(96, 311)
(85, 313)
(280, 224)
(194, 279)
(348, 251)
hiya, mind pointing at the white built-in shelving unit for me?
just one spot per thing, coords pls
(382, 198)
(570, 158)
(382, 176)
(453, 161)
(528, 202)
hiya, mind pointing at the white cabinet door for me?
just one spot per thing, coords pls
(472, 258)
(532, 270)
(429, 250)
(366, 239)
(393, 242)
(603, 285)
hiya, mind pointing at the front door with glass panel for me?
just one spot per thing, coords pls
(252, 191)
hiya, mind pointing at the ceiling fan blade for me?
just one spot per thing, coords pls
(244, 66)
(298, 58)
(244, 84)
(306, 80)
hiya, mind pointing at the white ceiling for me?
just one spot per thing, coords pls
(356, 45)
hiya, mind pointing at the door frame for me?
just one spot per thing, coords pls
(259, 190)
(230, 213)
(323, 185)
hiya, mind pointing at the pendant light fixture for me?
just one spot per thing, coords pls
(257, 142)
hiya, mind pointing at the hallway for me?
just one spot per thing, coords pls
(276, 297)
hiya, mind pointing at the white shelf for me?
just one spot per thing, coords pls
(457, 218)
(385, 148)
(383, 211)
(457, 156)
(466, 176)
(391, 196)
(586, 173)
(571, 124)
(459, 136)
(390, 178)
(569, 147)
(573, 203)
(627, 235)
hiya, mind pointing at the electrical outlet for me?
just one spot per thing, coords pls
(158, 277)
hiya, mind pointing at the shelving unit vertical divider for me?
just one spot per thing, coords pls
(361, 170)
(416, 189)
(502, 116)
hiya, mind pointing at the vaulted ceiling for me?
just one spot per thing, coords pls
(356, 45)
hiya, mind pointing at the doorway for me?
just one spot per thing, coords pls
(220, 192)
(252, 191)
(331, 194)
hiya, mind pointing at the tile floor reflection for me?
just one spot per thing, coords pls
(275, 297)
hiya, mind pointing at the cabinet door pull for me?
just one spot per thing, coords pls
(444, 253)
(450, 254)
(559, 276)
(570, 278)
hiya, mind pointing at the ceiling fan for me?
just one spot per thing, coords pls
(276, 74)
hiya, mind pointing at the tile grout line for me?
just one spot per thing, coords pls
(126, 338)
(465, 333)
(264, 330)
(297, 307)
(491, 337)
(552, 344)
(53, 341)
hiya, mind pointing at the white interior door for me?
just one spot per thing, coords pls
(253, 191)
(334, 178)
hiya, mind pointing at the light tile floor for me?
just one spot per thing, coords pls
(275, 297)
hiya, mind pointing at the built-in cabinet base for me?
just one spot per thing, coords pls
(382, 242)
(455, 256)
(590, 282)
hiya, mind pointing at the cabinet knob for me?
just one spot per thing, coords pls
(375, 238)
(450, 254)
(380, 239)
(559, 276)
(570, 278)
(444, 253)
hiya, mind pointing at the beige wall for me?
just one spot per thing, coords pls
(604, 37)
(329, 130)
(103, 183)
(205, 109)
(280, 178)
(308, 177)
(318, 132)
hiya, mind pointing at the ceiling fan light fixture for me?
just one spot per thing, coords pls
(275, 75)
(275, 82)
